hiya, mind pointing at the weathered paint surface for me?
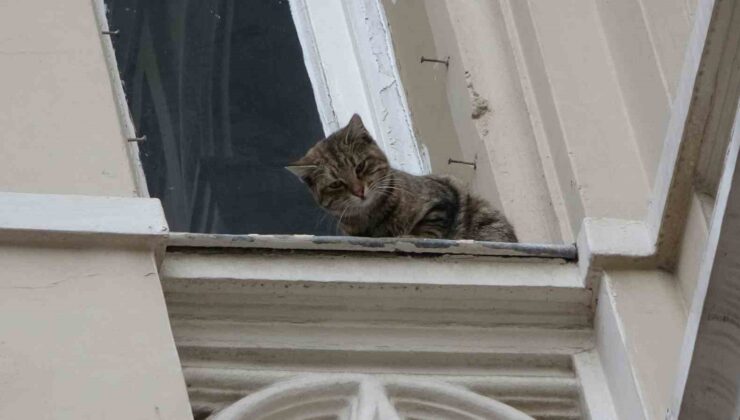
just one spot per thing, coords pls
(399, 245)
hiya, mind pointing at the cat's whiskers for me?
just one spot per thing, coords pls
(382, 178)
(380, 181)
(321, 219)
(390, 190)
(388, 187)
(341, 215)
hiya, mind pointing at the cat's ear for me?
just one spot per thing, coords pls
(303, 168)
(356, 122)
(356, 129)
(302, 171)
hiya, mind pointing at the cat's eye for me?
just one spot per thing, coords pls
(361, 167)
(336, 185)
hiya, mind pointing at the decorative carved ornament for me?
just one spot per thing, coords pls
(364, 397)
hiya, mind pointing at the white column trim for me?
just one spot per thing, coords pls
(619, 372)
(717, 274)
(655, 241)
(697, 103)
(596, 398)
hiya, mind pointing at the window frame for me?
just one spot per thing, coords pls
(368, 83)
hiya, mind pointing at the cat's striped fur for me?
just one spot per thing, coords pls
(349, 176)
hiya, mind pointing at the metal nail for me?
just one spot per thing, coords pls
(461, 162)
(435, 60)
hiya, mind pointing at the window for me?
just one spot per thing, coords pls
(220, 90)
(228, 92)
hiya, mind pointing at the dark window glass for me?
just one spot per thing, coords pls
(220, 90)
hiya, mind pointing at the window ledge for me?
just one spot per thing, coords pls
(450, 282)
(385, 245)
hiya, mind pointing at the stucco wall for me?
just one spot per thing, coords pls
(84, 333)
(567, 116)
(426, 86)
(60, 128)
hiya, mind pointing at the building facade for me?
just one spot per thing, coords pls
(607, 131)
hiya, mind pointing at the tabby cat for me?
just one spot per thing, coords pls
(349, 176)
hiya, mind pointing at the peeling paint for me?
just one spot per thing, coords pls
(434, 243)
(481, 105)
(243, 238)
(365, 244)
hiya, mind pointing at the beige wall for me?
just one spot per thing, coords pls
(486, 89)
(84, 334)
(425, 85)
(60, 131)
(577, 100)
(580, 97)
(84, 331)
(692, 250)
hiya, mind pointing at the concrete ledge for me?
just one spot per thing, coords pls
(54, 219)
(614, 239)
(640, 319)
(376, 288)
(612, 243)
(244, 319)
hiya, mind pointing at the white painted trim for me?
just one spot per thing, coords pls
(618, 369)
(603, 237)
(680, 119)
(350, 61)
(709, 264)
(656, 240)
(526, 275)
(54, 218)
(128, 131)
(352, 287)
(604, 242)
(225, 333)
(377, 59)
(596, 398)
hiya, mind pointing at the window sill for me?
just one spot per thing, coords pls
(404, 246)
(450, 282)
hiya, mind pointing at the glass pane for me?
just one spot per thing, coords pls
(220, 90)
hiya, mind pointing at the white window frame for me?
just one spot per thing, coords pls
(350, 60)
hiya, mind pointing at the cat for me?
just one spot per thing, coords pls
(349, 176)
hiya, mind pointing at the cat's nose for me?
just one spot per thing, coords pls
(359, 191)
